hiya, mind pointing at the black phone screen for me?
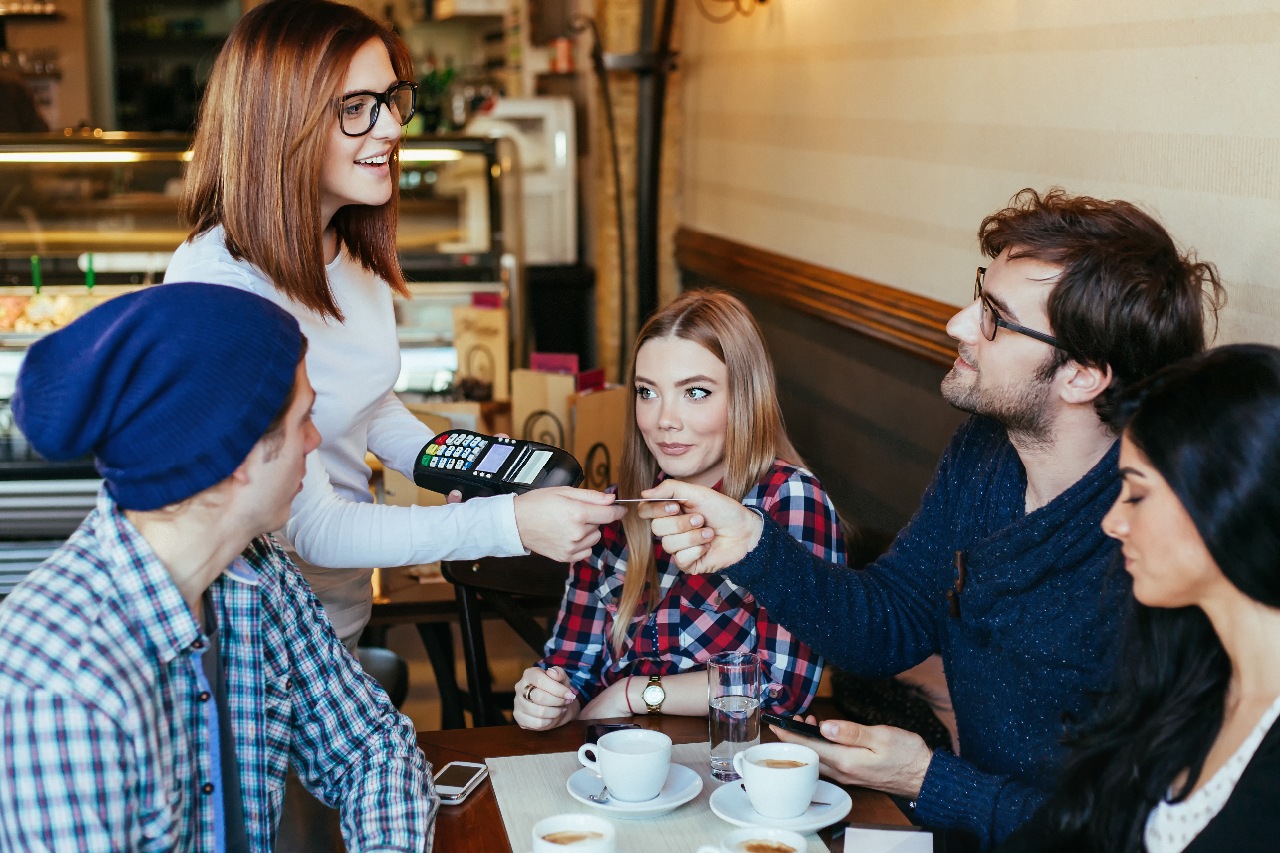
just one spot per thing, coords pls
(595, 731)
(456, 777)
(792, 725)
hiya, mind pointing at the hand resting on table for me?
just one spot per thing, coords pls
(551, 702)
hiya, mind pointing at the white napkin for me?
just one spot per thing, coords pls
(905, 840)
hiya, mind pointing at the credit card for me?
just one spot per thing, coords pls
(649, 500)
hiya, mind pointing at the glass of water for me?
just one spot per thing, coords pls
(735, 680)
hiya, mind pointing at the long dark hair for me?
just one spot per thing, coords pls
(1210, 425)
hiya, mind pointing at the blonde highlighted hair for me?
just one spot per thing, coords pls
(260, 143)
(755, 434)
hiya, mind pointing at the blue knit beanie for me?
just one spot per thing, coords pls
(169, 388)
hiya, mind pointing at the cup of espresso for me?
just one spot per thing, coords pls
(574, 833)
(780, 778)
(759, 839)
(632, 762)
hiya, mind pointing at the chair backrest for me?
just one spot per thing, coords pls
(388, 669)
(533, 575)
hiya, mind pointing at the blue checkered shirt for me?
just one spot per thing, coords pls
(103, 734)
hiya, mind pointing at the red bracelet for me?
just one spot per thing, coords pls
(626, 692)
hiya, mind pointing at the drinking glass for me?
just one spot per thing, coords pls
(734, 682)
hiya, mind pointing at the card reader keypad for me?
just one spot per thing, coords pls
(479, 465)
(453, 451)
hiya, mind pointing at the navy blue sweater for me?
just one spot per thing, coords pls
(1039, 618)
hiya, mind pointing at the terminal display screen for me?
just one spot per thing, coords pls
(493, 460)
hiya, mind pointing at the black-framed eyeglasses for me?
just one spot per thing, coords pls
(992, 321)
(358, 112)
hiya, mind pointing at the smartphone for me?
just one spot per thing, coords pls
(458, 779)
(595, 731)
(792, 726)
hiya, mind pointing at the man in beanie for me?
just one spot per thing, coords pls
(164, 668)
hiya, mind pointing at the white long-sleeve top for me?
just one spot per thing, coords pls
(353, 366)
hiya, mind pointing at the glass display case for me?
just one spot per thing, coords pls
(87, 217)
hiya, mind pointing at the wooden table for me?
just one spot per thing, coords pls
(476, 825)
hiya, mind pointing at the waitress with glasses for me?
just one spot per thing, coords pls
(291, 194)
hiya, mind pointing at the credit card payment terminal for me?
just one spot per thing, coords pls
(482, 465)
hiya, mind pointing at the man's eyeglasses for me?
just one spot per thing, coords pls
(991, 319)
(358, 112)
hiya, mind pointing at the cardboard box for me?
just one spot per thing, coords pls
(480, 335)
(547, 407)
(599, 424)
(489, 418)
(541, 406)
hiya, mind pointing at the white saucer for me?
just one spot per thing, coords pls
(682, 785)
(730, 803)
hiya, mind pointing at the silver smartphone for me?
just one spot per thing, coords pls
(457, 779)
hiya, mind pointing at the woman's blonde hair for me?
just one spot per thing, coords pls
(755, 436)
(260, 144)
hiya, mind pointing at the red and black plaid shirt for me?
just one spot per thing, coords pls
(698, 615)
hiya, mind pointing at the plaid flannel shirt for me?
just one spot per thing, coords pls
(103, 734)
(698, 615)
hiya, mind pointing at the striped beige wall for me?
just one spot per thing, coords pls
(873, 136)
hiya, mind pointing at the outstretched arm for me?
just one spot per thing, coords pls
(875, 623)
(328, 530)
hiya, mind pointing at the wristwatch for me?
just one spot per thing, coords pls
(653, 694)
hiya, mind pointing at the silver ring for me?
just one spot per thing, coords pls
(528, 693)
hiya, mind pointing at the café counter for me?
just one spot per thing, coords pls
(88, 216)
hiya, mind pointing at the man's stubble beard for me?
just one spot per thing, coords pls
(1022, 409)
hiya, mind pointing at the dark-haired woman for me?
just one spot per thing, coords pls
(291, 195)
(1185, 753)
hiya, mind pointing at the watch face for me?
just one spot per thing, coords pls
(653, 694)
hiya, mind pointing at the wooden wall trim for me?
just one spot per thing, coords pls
(911, 323)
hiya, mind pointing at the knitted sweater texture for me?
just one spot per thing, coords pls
(1040, 614)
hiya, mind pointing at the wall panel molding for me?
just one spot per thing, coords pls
(910, 323)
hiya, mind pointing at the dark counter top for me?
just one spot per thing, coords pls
(18, 461)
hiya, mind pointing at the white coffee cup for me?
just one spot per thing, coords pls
(574, 833)
(768, 841)
(632, 762)
(778, 792)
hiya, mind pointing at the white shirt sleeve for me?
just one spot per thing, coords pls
(327, 530)
(396, 436)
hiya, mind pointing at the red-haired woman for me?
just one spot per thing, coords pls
(291, 195)
(705, 411)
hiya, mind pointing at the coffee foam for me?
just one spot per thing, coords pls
(574, 836)
(755, 845)
(779, 763)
